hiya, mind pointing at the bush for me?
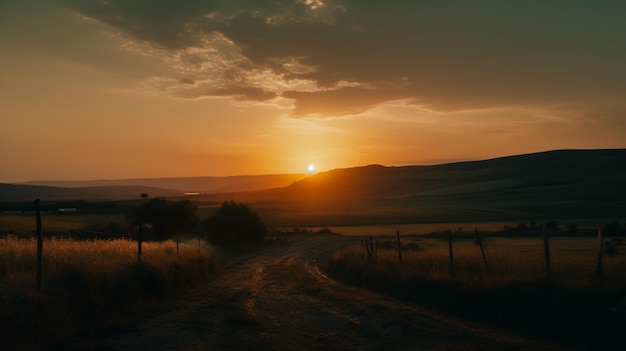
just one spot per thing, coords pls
(235, 223)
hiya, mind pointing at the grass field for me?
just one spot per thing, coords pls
(56, 222)
(512, 292)
(85, 283)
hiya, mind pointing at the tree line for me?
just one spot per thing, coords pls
(159, 219)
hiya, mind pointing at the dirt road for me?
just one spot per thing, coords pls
(279, 300)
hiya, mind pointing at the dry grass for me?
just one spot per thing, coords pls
(86, 282)
(509, 261)
(512, 292)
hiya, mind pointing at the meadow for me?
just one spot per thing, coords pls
(87, 283)
(512, 291)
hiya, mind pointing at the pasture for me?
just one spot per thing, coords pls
(86, 283)
(512, 291)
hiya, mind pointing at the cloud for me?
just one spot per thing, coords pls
(337, 57)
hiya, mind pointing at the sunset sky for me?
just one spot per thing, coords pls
(106, 89)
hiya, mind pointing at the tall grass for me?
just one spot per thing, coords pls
(512, 292)
(86, 283)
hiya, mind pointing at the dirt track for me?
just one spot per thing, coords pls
(279, 300)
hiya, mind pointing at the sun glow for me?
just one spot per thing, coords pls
(311, 168)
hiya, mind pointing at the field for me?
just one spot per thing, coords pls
(511, 291)
(87, 283)
(90, 283)
(57, 222)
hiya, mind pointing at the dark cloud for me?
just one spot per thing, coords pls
(171, 24)
(448, 55)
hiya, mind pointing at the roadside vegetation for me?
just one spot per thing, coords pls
(95, 274)
(235, 224)
(512, 290)
(86, 284)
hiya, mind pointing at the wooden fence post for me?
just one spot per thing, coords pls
(451, 253)
(546, 253)
(399, 247)
(480, 243)
(39, 242)
(139, 240)
(600, 252)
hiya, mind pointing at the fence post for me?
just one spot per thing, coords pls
(39, 242)
(451, 253)
(139, 240)
(480, 243)
(600, 252)
(546, 253)
(399, 247)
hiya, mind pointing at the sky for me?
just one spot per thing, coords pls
(110, 89)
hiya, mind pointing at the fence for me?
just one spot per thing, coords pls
(372, 247)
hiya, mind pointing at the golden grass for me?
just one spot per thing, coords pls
(93, 257)
(87, 282)
(509, 261)
(573, 308)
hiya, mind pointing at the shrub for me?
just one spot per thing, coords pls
(235, 223)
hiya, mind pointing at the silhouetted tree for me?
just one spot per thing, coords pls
(551, 225)
(235, 223)
(165, 218)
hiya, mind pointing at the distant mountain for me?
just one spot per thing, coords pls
(185, 184)
(12, 192)
(539, 186)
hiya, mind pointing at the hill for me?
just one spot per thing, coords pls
(561, 184)
(553, 184)
(185, 184)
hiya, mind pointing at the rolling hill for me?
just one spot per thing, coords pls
(552, 184)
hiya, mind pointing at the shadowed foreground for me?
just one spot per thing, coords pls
(278, 299)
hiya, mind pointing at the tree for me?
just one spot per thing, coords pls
(235, 223)
(165, 218)
(551, 225)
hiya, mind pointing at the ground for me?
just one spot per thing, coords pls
(278, 299)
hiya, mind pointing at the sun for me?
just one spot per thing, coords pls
(310, 168)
